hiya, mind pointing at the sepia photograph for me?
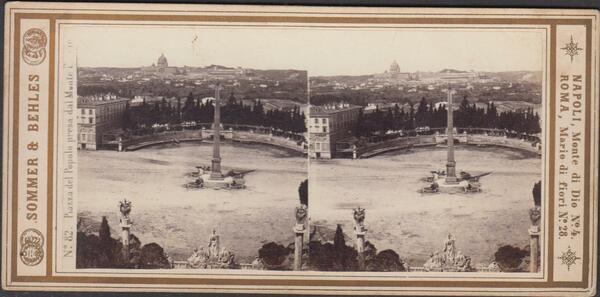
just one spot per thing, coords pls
(425, 152)
(191, 148)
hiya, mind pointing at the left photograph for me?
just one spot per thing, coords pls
(191, 147)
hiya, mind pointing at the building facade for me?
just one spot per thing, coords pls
(97, 115)
(329, 124)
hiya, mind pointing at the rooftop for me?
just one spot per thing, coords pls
(96, 100)
(331, 109)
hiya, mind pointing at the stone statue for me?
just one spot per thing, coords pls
(494, 267)
(535, 214)
(301, 213)
(213, 256)
(125, 209)
(258, 263)
(213, 246)
(226, 258)
(198, 259)
(449, 250)
(359, 219)
(449, 259)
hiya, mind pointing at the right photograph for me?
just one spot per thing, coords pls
(425, 151)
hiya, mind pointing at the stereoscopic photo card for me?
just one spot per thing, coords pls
(300, 150)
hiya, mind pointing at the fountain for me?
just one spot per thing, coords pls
(213, 177)
(447, 181)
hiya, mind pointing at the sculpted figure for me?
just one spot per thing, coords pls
(125, 209)
(462, 262)
(449, 250)
(197, 259)
(301, 214)
(434, 263)
(213, 246)
(225, 259)
(535, 213)
(258, 264)
(449, 259)
(359, 219)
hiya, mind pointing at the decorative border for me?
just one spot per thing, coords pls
(295, 283)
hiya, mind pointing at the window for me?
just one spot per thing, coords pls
(318, 146)
(83, 137)
(324, 121)
(324, 129)
(316, 121)
(91, 120)
(82, 111)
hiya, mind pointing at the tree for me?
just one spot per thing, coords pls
(273, 254)
(387, 260)
(537, 193)
(422, 115)
(303, 192)
(509, 258)
(339, 242)
(104, 230)
(152, 256)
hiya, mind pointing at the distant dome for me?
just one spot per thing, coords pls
(394, 68)
(162, 61)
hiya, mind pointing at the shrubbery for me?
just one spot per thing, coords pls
(511, 259)
(103, 251)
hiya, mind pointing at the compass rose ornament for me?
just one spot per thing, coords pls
(569, 258)
(572, 49)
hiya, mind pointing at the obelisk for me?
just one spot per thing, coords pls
(450, 164)
(216, 160)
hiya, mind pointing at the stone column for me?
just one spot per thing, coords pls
(125, 232)
(216, 160)
(299, 230)
(534, 242)
(534, 238)
(298, 246)
(451, 164)
(360, 248)
(125, 223)
(360, 231)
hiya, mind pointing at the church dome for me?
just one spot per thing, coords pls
(394, 68)
(162, 61)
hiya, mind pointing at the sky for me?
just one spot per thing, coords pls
(320, 51)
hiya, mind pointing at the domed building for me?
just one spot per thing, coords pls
(394, 68)
(161, 68)
(394, 73)
(162, 61)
